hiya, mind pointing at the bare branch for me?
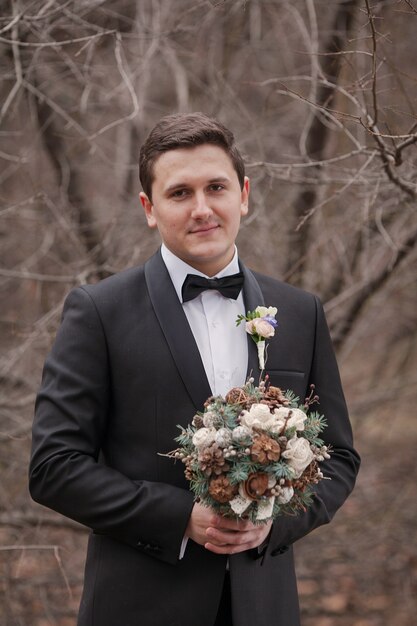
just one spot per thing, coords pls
(59, 43)
(356, 297)
(17, 64)
(374, 63)
(409, 3)
(338, 193)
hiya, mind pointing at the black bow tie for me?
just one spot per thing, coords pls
(229, 286)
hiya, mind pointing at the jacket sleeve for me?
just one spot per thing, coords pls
(69, 427)
(343, 465)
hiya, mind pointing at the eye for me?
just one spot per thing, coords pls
(179, 194)
(216, 187)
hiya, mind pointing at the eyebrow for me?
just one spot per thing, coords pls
(216, 179)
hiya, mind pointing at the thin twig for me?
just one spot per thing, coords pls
(44, 278)
(314, 164)
(57, 44)
(409, 4)
(374, 72)
(313, 209)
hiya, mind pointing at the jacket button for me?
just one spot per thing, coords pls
(155, 548)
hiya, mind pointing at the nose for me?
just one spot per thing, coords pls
(201, 209)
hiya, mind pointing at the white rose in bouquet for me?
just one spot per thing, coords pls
(240, 433)
(208, 419)
(298, 455)
(258, 416)
(285, 495)
(223, 437)
(204, 437)
(297, 417)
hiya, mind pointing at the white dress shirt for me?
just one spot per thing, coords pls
(212, 317)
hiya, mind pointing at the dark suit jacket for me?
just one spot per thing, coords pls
(123, 372)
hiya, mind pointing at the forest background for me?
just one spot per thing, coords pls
(322, 97)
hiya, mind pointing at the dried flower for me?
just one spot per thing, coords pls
(208, 419)
(241, 433)
(274, 396)
(285, 495)
(237, 395)
(255, 486)
(223, 437)
(265, 449)
(295, 418)
(197, 421)
(212, 461)
(258, 416)
(222, 490)
(204, 437)
(298, 455)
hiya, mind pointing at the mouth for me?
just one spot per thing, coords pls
(207, 228)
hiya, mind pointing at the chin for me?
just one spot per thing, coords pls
(211, 262)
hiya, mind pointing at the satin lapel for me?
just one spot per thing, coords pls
(176, 329)
(253, 297)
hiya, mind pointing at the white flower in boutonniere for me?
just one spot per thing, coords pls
(260, 325)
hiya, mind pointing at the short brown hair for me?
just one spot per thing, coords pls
(186, 131)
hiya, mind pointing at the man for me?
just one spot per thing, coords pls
(134, 357)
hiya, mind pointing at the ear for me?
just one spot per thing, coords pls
(244, 202)
(148, 208)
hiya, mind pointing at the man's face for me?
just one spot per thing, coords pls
(196, 205)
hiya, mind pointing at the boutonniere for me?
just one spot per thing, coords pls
(260, 325)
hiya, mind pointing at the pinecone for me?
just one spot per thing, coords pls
(256, 485)
(265, 449)
(237, 395)
(197, 421)
(209, 401)
(212, 461)
(274, 397)
(221, 490)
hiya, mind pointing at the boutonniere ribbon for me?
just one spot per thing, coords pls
(260, 324)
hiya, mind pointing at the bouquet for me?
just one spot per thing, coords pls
(255, 453)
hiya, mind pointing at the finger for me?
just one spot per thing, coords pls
(228, 549)
(222, 537)
(231, 524)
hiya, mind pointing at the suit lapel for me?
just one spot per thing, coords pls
(176, 330)
(253, 297)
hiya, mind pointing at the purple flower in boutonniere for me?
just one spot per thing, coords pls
(260, 325)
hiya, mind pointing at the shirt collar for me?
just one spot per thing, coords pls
(178, 269)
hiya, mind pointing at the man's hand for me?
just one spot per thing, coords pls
(224, 536)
